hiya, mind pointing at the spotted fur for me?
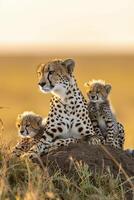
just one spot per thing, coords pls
(100, 112)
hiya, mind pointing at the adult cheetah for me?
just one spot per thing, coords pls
(68, 115)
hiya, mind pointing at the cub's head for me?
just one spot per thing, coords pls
(28, 124)
(98, 91)
(54, 76)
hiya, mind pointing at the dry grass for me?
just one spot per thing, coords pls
(20, 179)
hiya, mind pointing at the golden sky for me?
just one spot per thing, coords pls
(53, 24)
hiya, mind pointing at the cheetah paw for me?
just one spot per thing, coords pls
(94, 140)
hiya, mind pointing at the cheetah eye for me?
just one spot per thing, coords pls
(27, 125)
(18, 125)
(51, 72)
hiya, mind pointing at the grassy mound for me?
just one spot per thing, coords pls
(22, 179)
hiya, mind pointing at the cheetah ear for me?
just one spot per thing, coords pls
(39, 68)
(87, 85)
(108, 88)
(17, 120)
(19, 116)
(69, 64)
(39, 120)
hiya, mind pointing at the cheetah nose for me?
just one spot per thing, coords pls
(93, 96)
(41, 84)
(21, 132)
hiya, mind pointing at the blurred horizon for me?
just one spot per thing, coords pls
(31, 26)
(36, 50)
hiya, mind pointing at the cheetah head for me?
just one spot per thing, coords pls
(98, 91)
(28, 124)
(55, 75)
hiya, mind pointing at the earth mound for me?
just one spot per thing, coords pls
(100, 159)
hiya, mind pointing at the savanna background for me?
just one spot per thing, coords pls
(98, 35)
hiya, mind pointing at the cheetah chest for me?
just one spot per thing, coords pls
(102, 123)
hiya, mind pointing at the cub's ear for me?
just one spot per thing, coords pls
(39, 121)
(69, 64)
(108, 88)
(19, 116)
(18, 120)
(87, 85)
(39, 68)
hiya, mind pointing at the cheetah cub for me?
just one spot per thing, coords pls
(102, 116)
(30, 128)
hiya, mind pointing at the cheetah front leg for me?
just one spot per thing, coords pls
(46, 142)
(22, 147)
(39, 149)
(44, 148)
(119, 139)
(98, 132)
(96, 138)
(121, 136)
(62, 143)
(112, 134)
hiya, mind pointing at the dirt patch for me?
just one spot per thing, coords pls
(95, 157)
